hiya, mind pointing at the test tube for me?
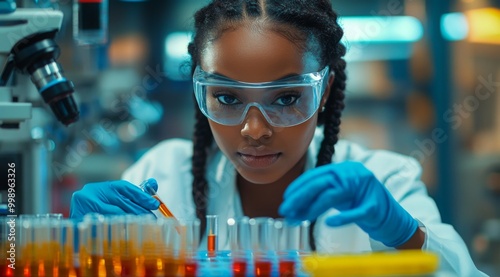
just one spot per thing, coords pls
(152, 245)
(50, 215)
(26, 248)
(212, 231)
(146, 187)
(288, 240)
(110, 247)
(91, 236)
(8, 254)
(127, 237)
(45, 251)
(239, 244)
(262, 236)
(304, 238)
(65, 239)
(172, 239)
(190, 237)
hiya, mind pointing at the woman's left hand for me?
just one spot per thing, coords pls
(361, 199)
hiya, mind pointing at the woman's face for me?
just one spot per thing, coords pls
(261, 153)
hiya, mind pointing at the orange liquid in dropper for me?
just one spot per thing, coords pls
(163, 208)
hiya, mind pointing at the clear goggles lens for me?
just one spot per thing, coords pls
(286, 102)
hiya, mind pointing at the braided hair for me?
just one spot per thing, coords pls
(314, 20)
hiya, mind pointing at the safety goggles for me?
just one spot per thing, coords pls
(284, 103)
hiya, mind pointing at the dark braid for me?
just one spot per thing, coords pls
(316, 23)
(331, 121)
(202, 140)
(331, 116)
(252, 8)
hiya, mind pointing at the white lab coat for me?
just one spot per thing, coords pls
(169, 163)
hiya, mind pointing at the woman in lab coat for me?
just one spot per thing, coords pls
(269, 80)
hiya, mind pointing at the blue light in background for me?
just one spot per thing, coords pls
(381, 29)
(176, 54)
(176, 44)
(386, 37)
(454, 26)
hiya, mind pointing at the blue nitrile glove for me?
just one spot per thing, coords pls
(112, 197)
(353, 190)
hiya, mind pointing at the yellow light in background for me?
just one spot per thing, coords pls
(484, 25)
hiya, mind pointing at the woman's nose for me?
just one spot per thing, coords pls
(255, 125)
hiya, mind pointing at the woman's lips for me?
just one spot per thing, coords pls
(259, 161)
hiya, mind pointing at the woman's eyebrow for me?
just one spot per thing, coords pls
(281, 78)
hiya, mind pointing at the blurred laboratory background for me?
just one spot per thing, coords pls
(423, 80)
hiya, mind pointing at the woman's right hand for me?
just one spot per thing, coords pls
(112, 197)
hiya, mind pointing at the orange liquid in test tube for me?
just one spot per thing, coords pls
(151, 256)
(163, 208)
(153, 267)
(109, 265)
(211, 247)
(128, 267)
(212, 230)
(147, 187)
(95, 266)
(170, 267)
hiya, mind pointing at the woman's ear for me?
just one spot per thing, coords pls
(326, 94)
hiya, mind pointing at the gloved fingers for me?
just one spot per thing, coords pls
(153, 183)
(307, 177)
(107, 209)
(135, 195)
(341, 174)
(81, 204)
(128, 205)
(348, 216)
(331, 198)
(80, 208)
(303, 196)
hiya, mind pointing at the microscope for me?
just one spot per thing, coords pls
(29, 73)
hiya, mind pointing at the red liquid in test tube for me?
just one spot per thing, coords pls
(263, 268)
(5, 270)
(77, 271)
(287, 268)
(190, 269)
(128, 267)
(151, 268)
(239, 268)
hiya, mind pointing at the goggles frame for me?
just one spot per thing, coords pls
(316, 80)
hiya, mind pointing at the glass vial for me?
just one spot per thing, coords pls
(90, 22)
